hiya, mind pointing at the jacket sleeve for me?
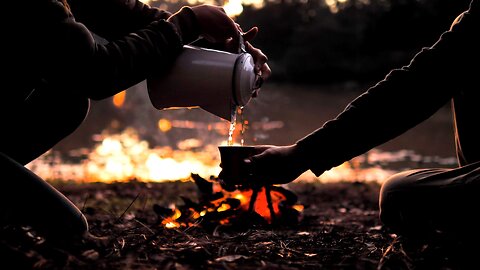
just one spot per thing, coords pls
(70, 58)
(404, 98)
(112, 19)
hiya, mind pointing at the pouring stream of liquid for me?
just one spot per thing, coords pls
(235, 112)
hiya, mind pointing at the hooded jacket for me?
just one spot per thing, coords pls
(89, 48)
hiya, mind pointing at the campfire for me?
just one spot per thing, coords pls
(263, 206)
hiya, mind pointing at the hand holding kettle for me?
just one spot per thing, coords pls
(206, 22)
(222, 33)
(215, 25)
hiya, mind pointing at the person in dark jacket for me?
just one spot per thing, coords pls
(59, 55)
(414, 202)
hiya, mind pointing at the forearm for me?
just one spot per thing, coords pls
(405, 98)
(71, 59)
(125, 62)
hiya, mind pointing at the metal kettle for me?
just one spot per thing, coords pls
(214, 80)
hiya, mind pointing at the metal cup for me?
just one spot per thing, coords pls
(234, 171)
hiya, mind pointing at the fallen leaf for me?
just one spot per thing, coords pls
(230, 258)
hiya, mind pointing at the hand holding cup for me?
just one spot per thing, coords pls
(235, 171)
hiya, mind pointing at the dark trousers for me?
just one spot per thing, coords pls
(439, 200)
(30, 129)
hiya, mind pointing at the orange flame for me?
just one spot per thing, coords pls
(212, 210)
(171, 222)
(260, 204)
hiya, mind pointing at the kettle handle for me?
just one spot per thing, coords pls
(241, 45)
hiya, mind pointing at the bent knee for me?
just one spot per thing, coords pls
(395, 183)
(81, 226)
(394, 196)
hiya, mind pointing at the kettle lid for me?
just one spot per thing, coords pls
(243, 79)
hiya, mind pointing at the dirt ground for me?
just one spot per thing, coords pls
(338, 229)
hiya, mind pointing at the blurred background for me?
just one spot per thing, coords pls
(322, 53)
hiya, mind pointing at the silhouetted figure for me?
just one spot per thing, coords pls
(57, 56)
(416, 202)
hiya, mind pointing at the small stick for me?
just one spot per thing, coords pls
(121, 216)
(253, 199)
(268, 195)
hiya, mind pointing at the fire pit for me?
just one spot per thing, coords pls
(240, 208)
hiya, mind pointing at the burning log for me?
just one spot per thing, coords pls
(241, 208)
